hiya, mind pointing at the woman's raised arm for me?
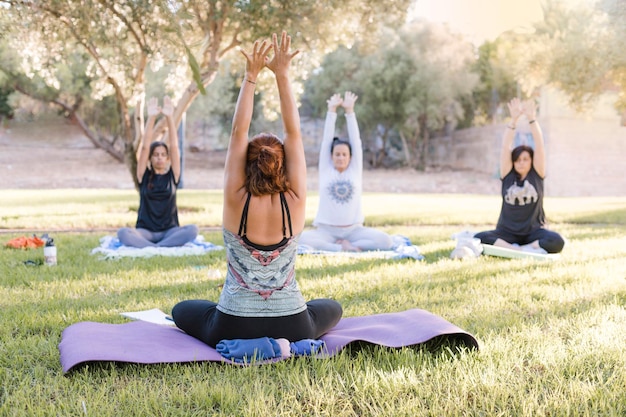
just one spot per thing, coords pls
(539, 158)
(354, 135)
(234, 169)
(325, 158)
(506, 163)
(143, 152)
(172, 133)
(294, 149)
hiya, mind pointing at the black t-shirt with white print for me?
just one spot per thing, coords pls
(522, 203)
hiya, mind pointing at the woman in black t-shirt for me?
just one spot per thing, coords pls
(522, 221)
(158, 173)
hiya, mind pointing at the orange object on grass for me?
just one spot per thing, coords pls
(24, 242)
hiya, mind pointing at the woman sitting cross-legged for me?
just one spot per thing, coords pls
(264, 212)
(522, 222)
(339, 219)
(158, 172)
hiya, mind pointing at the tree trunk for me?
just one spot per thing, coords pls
(130, 160)
(423, 143)
(424, 152)
(380, 153)
(405, 146)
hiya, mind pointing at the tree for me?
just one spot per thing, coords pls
(616, 14)
(89, 60)
(579, 50)
(383, 82)
(496, 85)
(442, 78)
(120, 41)
(412, 82)
(6, 110)
(335, 74)
(377, 76)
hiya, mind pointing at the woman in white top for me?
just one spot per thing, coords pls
(339, 219)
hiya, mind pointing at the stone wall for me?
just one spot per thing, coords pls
(474, 149)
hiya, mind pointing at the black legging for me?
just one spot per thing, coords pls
(551, 241)
(202, 320)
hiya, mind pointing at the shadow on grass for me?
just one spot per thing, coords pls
(448, 345)
(449, 287)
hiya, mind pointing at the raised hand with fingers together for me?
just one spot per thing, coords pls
(530, 109)
(348, 101)
(168, 107)
(516, 109)
(334, 101)
(153, 107)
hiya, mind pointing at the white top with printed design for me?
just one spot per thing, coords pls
(340, 192)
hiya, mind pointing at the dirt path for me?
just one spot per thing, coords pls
(56, 155)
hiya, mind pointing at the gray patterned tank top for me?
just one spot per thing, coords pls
(261, 280)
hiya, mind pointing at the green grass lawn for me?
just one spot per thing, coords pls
(552, 334)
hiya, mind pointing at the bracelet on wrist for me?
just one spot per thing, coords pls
(251, 82)
(532, 121)
(511, 127)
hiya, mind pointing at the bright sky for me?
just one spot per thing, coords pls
(480, 20)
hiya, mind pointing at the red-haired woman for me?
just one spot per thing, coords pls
(264, 213)
(158, 173)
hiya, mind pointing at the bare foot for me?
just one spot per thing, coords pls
(349, 247)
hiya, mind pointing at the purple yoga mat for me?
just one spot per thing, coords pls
(148, 343)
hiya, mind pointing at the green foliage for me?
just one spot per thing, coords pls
(120, 42)
(616, 14)
(6, 110)
(442, 60)
(386, 91)
(413, 82)
(580, 50)
(575, 65)
(497, 85)
(336, 74)
(551, 334)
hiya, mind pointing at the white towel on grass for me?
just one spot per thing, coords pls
(111, 248)
(402, 249)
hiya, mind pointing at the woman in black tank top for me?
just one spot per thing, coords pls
(158, 173)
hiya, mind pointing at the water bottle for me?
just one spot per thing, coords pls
(50, 252)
